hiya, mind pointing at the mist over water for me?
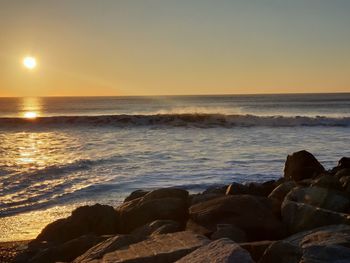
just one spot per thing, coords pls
(87, 150)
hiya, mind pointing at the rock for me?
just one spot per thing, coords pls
(157, 227)
(256, 249)
(109, 245)
(252, 214)
(345, 181)
(221, 189)
(321, 245)
(222, 250)
(135, 194)
(199, 198)
(97, 219)
(260, 189)
(236, 189)
(300, 217)
(161, 204)
(198, 229)
(280, 192)
(65, 252)
(328, 181)
(302, 165)
(343, 173)
(229, 231)
(321, 197)
(344, 163)
(160, 248)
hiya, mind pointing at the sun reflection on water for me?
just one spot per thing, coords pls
(31, 107)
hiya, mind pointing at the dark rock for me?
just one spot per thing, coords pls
(157, 227)
(300, 217)
(328, 181)
(159, 248)
(321, 197)
(161, 204)
(65, 252)
(280, 192)
(252, 214)
(345, 181)
(321, 245)
(109, 245)
(302, 165)
(97, 219)
(222, 250)
(199, 198)
(216, 190)
(344, 163)
(198, 229)
(135, 194)
(229, 231)
(260, 189)
(256, 249)
(343, 173)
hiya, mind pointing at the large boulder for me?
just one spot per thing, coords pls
(112, 244)
(252, 214)
(321, 197)
(63, 252)
(222, 250)
(157, 227)
(229, 231)
(160, 248)
(343, 163)
(329, 182)
(97, 219)
(322, 245)
(300, 217)
(161, 204)
(302, 165)
(135, 194)
(280, 192)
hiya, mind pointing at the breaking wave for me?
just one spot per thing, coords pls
(200, 120)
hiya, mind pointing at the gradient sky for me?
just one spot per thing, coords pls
(157, 47)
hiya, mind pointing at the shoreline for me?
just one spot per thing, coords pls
(251, 218)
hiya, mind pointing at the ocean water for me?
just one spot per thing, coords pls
(59, 153)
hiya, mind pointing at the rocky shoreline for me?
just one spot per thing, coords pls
(301, 217)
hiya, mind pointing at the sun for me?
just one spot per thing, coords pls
(30, 115)
(29, 62)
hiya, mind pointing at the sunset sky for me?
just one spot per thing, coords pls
(157, 47)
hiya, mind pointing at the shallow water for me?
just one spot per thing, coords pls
(46, 170)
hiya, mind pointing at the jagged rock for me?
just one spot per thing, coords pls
(229, 231)
(322, 245)
(328, 181)
(343, 163)
(302, 165)
(135, 194)
(97, 219)
(222, 250)
(256, 249)
(252, 214)
(161, 204)
(160, 248)
(300, 217)
(321, 197)
(260, 189)
(157, 227)
(109, 245)
(63, 252)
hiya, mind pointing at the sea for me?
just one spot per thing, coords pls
(58, 153)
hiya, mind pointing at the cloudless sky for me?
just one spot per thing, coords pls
(157, 47)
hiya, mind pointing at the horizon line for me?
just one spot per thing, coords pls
(179, 95)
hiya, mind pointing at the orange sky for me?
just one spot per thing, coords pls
(102, 48)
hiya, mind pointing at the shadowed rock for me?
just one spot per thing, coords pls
(222, 250)
(97, 219)
(260, 189)
(252, 214)
(321, 197)
(229, 231)
(161, 204)
(135, 194)
(322, 245)
(256, 249)
(160, 248)
(329, 182)
(302, 165)
(300, 217)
